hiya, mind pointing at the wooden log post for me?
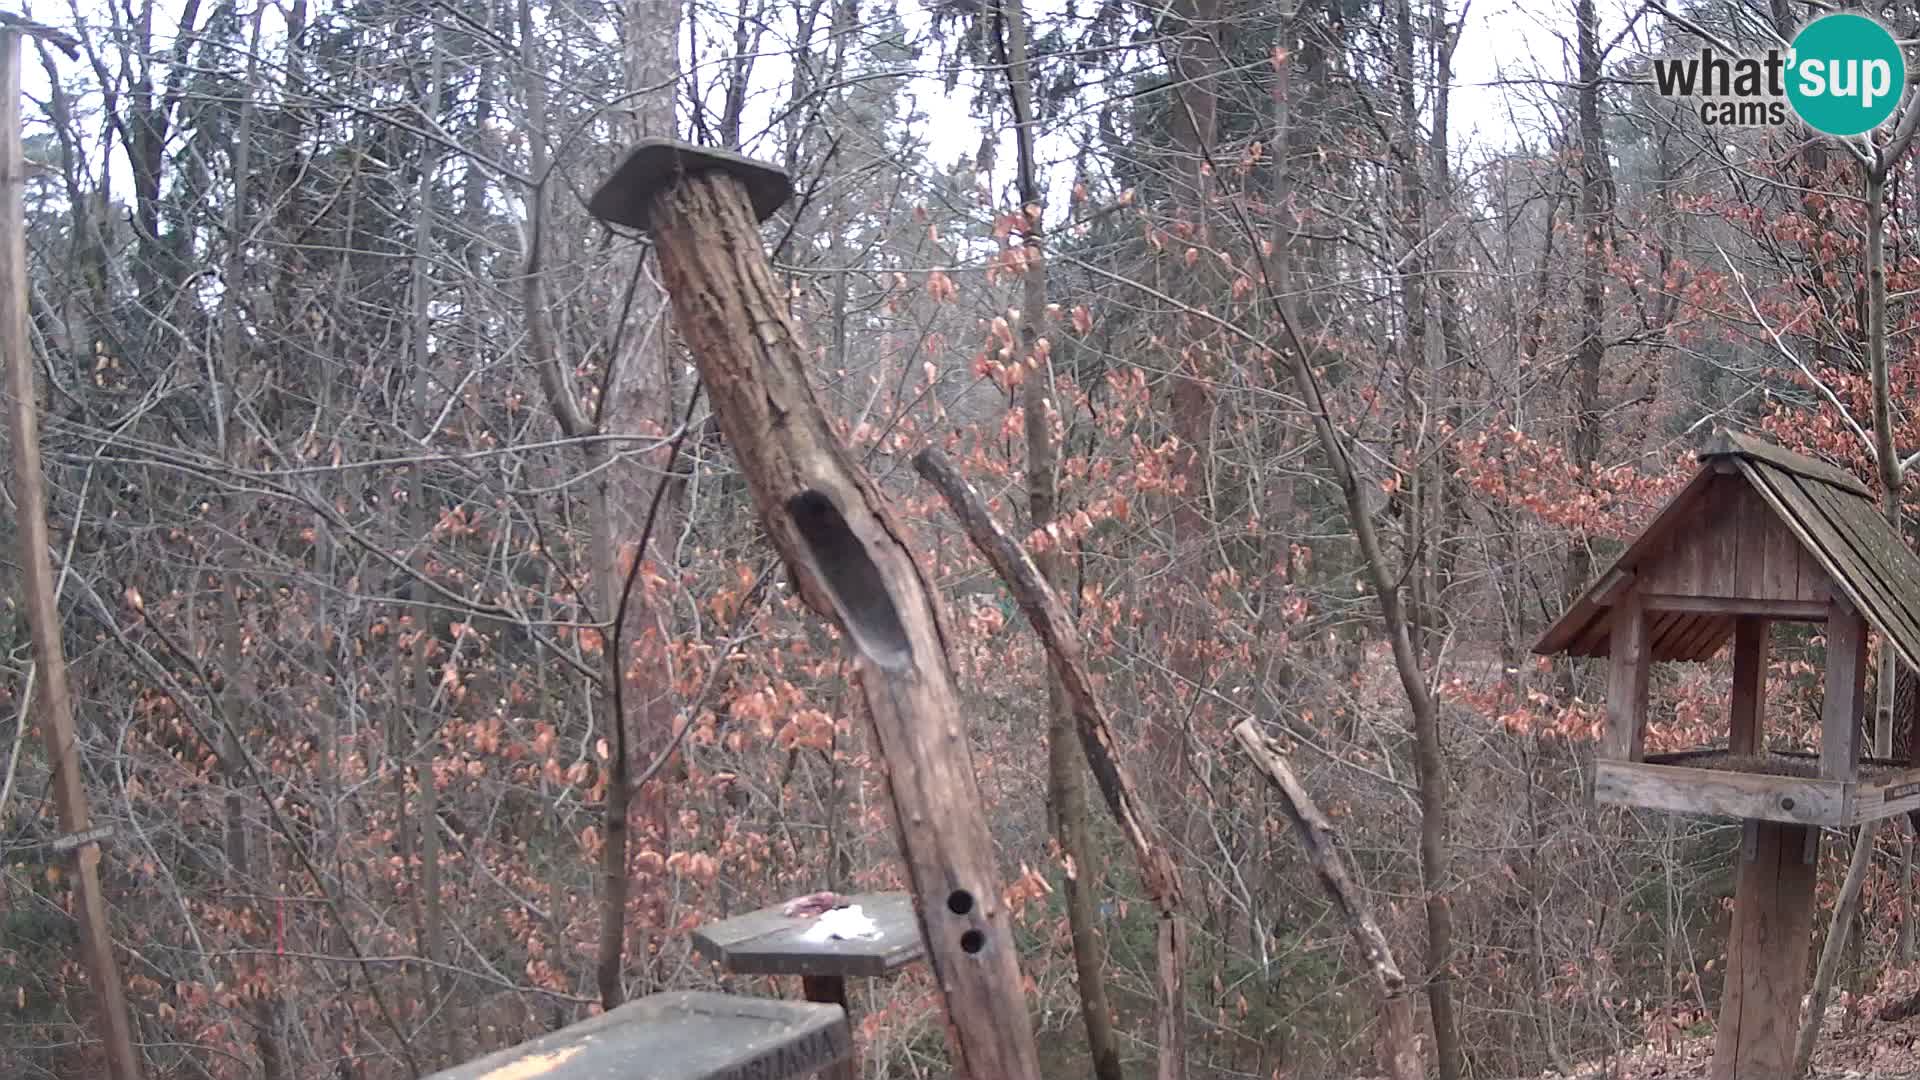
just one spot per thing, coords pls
(1067, 658)
(1773, 904)
(1846, 681)
(1766, 953)
(1747, 722)
(832, 990)
(846, 553)
(1629, 658)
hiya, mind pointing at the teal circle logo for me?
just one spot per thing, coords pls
(1847, 74)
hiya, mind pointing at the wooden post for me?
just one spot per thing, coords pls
(1747, 723)
(1767, 954)
(846, 554)
(832, 990)
(1846, 678)
(53, 709)
(1628, 660)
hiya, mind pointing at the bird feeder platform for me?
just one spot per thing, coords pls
(1781, 785)
(1759, 535)
(771, 942)
(687, 1035)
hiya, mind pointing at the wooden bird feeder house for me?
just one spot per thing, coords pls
(1759, 535)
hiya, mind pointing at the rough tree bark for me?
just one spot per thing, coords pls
(636, 400)
(1067, 663)
(1066, 791)
(845, 552)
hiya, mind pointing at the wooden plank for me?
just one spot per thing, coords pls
(1627, 669)
(1706, 638)
(1886, 797)
(768, 942)
(1596, 638)
(1731, 442)
(1664, 630)
(1753, 522)
(1576, 619)
(1846, 679)
(1720, 539)
(1747, 725)
(1875, 580)
(1791, 572)
(685, 1035)
(1808, 515)
(1767, 956)
(1720, 793)
(1895, 569)
(1784, 610)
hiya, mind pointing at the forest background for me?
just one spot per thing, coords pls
(358, 427)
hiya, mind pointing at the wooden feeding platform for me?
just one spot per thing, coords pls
(1759, 535)
(686, 1035)
(1781, 785)
(771, 942)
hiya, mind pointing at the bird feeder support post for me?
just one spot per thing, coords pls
(846, 553)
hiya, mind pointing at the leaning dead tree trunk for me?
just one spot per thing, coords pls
(845, 552)
(1399, 1048)
(1067, 658)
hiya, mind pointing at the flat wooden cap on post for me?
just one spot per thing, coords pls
(848, 557)
(656, 165)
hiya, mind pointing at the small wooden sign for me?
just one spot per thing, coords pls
(1900, 791)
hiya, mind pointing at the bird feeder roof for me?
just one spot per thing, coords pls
(1758, 530)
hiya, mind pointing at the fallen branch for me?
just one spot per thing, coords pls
(1067, 657)
(1399, 1048)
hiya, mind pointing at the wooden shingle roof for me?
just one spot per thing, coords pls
(1830, 516)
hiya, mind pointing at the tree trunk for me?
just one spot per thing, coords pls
(1066, 789)
(843, 548)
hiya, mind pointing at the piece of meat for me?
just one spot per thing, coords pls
(805, 907)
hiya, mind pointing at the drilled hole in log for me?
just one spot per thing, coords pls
(972, 941)
(959, 901)
(849, 573)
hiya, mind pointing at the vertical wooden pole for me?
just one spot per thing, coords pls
(1628, 661)
(54, 708)
(1747, 722)
(1846, 686)
(1767, 955)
